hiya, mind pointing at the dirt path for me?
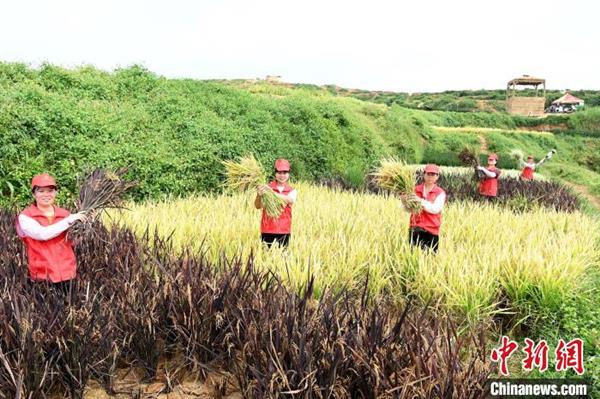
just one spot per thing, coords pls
(483, 144)
(546, 127)
(585, 192)
(128, 383)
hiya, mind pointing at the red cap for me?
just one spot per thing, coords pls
(282, 165)
(530, 157)
(493, 155)
(43, 180)
(432, 168)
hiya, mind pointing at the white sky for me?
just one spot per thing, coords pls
(418, 45)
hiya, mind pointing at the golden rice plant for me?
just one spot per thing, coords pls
(395, 176)
(535, 259)
(248, 174)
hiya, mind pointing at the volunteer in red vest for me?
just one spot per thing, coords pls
(488, 187)
(43, 226)
(278, 230)
(425, 225)
(530, 166)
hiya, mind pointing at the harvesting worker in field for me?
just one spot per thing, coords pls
(425, 225)
(277, 229)
(488, 187)
(43, 226)
(529, 166)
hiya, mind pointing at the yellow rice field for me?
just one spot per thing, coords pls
(486, 253)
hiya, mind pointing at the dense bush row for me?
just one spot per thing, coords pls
(135, 303)
(173, 134)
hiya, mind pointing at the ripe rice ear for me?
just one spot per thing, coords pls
(248, 174)
(469, 157)
(395, 176)
(244, 175)
(102, 189)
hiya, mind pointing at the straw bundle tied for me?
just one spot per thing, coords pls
(102, 189)
(248, 174)
(469, 157)
(395, 176)
(516, 155)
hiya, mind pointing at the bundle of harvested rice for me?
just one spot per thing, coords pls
(394, 175)
(248, 174)
(516, 155)
(102, 189)
(469, 157)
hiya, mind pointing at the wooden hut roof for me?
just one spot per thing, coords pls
(527, 80)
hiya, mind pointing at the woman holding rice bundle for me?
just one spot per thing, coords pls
(488, 187)
(42, 227)
(529, 166)
(277, 229)
(425, 225)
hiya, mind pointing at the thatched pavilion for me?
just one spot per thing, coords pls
(527, 106)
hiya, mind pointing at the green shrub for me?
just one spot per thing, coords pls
(174, 133)
(586, 121)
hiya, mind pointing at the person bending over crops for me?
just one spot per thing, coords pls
(425, 225)
(488, 187)
(277, 229)
(530, 165)
(42, 227)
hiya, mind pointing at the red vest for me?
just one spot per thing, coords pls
(527, 173)
(489, 185)
(54, 259)
(282, 224)
(425, 220)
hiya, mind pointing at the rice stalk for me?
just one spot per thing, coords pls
(248, 174)
(395, 176)
(101, 190)
(469, 156)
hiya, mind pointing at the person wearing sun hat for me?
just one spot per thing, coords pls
(42, 226)
(529, 166)
(424, 227)
(278, 230)
(488, 187)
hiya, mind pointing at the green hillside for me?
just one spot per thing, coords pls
(459, 100)
(174, 133)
